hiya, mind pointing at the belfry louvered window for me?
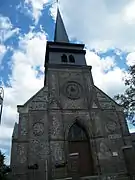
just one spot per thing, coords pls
(71, 59)
(67, 59)
(64, 58)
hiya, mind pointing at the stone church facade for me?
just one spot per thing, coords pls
(70, 129)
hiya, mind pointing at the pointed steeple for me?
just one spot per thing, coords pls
(60, 31)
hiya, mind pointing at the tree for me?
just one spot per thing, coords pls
(127, 99)
(4, 169)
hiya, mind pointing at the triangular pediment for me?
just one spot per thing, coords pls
(40, 96)
(106, 102)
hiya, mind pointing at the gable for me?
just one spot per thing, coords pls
(40, 96)
(106, 102)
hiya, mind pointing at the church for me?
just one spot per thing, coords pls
(70, 129)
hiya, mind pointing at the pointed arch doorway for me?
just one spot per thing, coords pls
(78, 142)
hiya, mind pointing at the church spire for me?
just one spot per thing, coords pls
(60, 31)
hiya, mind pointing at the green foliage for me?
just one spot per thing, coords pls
(4, 169)
(127, 99)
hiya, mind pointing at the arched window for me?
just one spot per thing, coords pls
(76, 133)
(71, 59)
(64, 58)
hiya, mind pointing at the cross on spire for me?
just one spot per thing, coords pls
(60, 31)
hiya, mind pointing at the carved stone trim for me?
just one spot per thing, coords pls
(57, 151)
(38, 128)
(21, 155)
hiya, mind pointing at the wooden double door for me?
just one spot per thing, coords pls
(79, 144)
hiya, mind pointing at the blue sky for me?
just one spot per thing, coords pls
(25, 25)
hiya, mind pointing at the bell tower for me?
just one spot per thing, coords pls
(70, 84)
(61, 51)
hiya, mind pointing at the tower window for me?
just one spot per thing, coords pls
(64, 58)
(71, 59)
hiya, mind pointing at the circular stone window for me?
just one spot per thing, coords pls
(72, 90)
(38, 129)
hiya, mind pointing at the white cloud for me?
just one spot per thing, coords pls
(37, 7)
(5, 133)
(6, 29)
(106, 74)
(23, 81)
(130, 60)
(129, 12)
(100, 24)
(5, 22)
(29, 55)
(107, 63)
